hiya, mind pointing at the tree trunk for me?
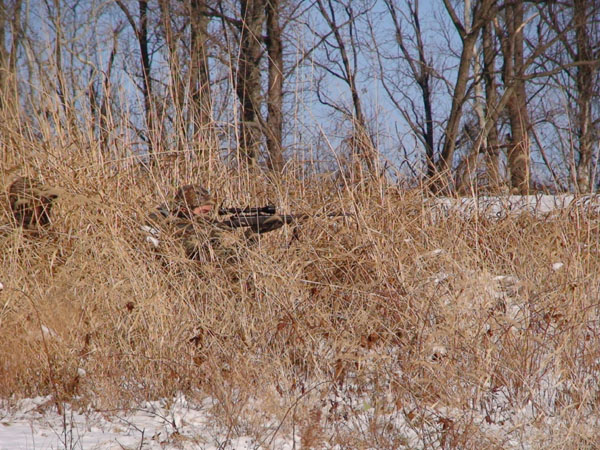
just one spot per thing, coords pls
(175, 70)
(142, 36)
(422, 72)
(248, 79)
(584, 83)
(458, 100)
(492, 148)
(483, 12)
(274, 127)
(466, 173)
(8, 58)
(513, 72)
(141, 33)
(201, 107)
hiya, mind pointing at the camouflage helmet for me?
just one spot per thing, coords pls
(190, 197)
(30, 202)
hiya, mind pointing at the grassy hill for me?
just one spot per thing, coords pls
(379, 330)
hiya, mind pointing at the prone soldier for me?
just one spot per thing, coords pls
(191, 219)
(30, 202)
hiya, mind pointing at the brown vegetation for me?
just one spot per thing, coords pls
(392, 326)
(389, 317)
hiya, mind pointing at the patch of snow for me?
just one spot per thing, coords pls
(48, 332)
(440, 277)
(498, 207)
(152, 235)
(433, 253)
(36, 424)
(153, 241)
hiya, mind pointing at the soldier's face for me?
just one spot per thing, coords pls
(201, 210)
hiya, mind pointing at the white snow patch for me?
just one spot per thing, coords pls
(499, 207)
(433, 253)
(35, 424)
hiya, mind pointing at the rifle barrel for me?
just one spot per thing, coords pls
(259, 210)
(255, 221)
(268, 221)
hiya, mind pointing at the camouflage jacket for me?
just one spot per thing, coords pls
(202, 239)
(30, 202)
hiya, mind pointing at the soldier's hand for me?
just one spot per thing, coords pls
(272, 223)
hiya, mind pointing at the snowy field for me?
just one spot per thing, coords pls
(36, 424)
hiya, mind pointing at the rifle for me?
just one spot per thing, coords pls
(263, 219)
(261, 210)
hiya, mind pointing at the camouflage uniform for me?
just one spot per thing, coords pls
(30, 202)
(199, 235)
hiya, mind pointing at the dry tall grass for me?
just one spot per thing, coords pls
(377, 331)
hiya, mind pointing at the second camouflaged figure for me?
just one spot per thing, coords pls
(30, 202)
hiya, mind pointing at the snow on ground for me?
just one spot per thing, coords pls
(35, 424)
(501, 206)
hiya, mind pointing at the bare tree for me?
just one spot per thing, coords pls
(491, 142)
(467, 172)
(274, 126)
(347, 49)
(257, 50)
(140, 30)
(513, 71)
(99, 94)
(248, 86)
(421, 71)
(588, 57)
(510, 57)
(480, 133)
(578, 61)
(483, 12)
(172, 36)
(586, 83)
(10, 24)
(62, 88)
(201, 106)
(185, 33)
